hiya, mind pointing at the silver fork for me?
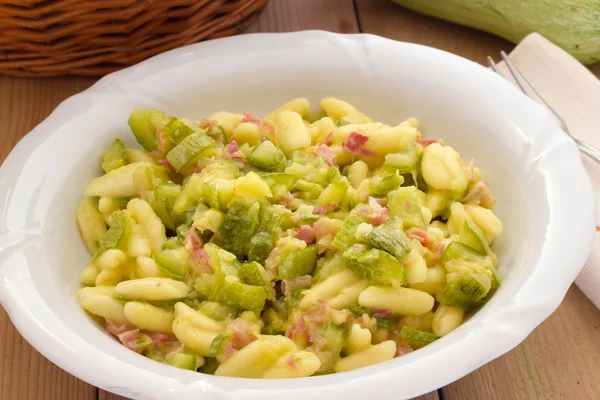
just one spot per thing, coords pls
(526, 87)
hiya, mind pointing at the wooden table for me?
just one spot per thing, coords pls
(559, 360)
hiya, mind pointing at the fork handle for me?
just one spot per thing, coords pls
(588, 149)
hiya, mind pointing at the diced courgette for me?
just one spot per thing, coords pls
(189, 150)
(115, 156)
(144, 123)
(238, 226)
(267, 156)
(405, 203)
(390, 238)
(375, 265)
(298, 263)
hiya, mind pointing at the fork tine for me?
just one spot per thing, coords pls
(521, 81)
(528, 89)
(494, 66)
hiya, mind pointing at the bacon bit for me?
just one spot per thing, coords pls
(297, 328)
(329, 139)
(130, 340)
(480, 194)
(325, 209)
(597, 228)
(289, 285)
(115, 329)
(291, 361)
(402, 349)
(377, 215)
(326, 153)
(262, 125)
(232, 152)
(156, 155)
(307, 234)
(382, 312)
(427, 142)
(242, 335)
(158, 339)
(420, 235)
(194, 245)
(324, 227)
(440, 248)
(207, 123)
(354, 144)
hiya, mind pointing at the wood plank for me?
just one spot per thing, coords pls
(384, 18)
(24, 373)
(559, 360)
(297, 15)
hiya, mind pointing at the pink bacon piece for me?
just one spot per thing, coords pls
(354, 144)
(307, 234)
(130, 340)
(289, 285)
(115, 329)
(427, 142)
(326, 153)
(208, 123)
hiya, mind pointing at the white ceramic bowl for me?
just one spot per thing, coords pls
(544, 199)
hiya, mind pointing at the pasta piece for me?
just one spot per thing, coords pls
(144, 215)
(442, 168)
(403, 301)
(292, 133)
(446, 319)
(247, 132)
(91, 224)
(299, 105)
(111, 258)
(485, 219)
(146, 267)
(358, 339)
(229, 121)
(348, 295)
(152, 289)
(329, 288)
(293, 365)
(89, 275)
(253, 360)
(100, 301)
(109, 277)
(416, 267)
(138, 244)
(372, 355)
(195, 330)
(149, 317)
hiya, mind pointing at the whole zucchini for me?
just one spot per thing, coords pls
(572, 25)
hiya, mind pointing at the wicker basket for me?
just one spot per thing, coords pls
(94, 37)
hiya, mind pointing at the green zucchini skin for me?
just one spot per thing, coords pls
(573, 26)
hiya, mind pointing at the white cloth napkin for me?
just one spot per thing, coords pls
(574, 93)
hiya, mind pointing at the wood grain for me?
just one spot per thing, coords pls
(24, 373)
(384, 18)
(559, 360)
(298, 15)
